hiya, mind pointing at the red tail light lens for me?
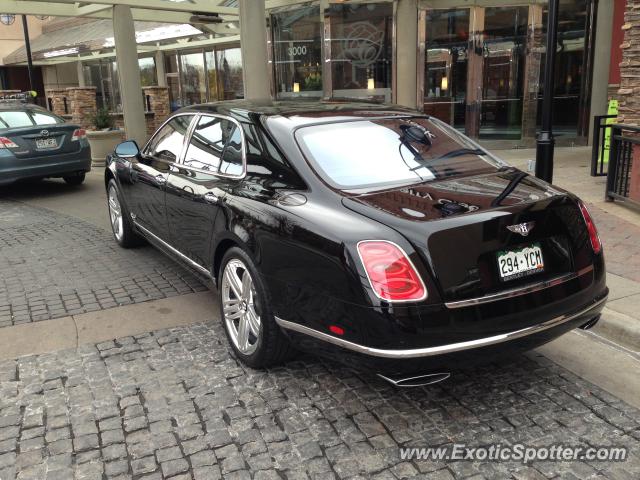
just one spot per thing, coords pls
(78, 133)
(596, 245)
(7, 143)
(391, 274)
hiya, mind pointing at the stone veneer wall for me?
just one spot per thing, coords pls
(56, 100)
(629, 92)
(159, 105)
(83, 107)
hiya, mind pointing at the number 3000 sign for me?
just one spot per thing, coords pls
(295, 51)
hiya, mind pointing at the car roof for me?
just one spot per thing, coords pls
(20, 107)
(301, 111)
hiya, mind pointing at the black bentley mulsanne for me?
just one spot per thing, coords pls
(371, 234)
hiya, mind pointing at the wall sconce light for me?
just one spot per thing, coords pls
(296, 87)
(444, 84)
(371, 84)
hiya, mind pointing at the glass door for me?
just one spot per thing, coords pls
(503, 69)
(446, 65)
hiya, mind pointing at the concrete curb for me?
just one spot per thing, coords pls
(619, 328)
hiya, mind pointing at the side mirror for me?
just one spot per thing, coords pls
(128, 149)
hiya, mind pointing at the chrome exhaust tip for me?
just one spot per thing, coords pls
(591, 323)
(417, 381)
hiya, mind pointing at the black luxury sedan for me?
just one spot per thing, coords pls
(35, 143)
(370, 234)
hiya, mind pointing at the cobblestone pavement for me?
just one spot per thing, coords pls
(175, 404)
(55, 265)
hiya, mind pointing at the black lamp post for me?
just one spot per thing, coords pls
(27, 45)
(545, 142)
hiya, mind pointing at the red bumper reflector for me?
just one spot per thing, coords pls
(336, 329)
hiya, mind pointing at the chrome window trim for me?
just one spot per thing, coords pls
(199, 115)
(155, 134)
(440, 349)
(173, 250)
(516, 292)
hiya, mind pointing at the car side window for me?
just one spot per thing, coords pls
(232, 156)
(167, 143)
(207, 143)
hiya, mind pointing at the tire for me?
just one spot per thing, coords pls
(75, 179)
(270, 346)
(121, 224)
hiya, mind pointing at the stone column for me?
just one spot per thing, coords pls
(253, 44)
(129, 74)
(629, 92)
(601, 62)
(82, 106)
(160, 71)
(407, 53)
(81, 82)
(56, 100)
(158, 104)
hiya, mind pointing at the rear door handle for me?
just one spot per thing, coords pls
(160, 178)
(210, 197)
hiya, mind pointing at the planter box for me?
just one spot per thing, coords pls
(102, 144)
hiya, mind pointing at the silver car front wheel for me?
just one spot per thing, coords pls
(115, 212)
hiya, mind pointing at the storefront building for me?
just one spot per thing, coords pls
(479, 62)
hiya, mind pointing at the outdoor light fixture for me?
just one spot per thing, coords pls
(60, 53)
(296, 87)
(371, 84)
(444, 84)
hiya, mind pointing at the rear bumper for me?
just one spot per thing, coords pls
(13, 169)
(447, 356)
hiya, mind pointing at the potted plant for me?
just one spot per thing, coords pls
(104, 138)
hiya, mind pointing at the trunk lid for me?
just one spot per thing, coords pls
(42, 140)
(460, 226)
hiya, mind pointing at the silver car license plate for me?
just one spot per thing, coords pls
(45, 143)
(514, 264)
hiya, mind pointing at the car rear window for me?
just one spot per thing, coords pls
(389, 151)
(15, 119)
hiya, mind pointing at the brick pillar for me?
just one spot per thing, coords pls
(82, 106)
(629, 92)
(56, 100)
(158, 103)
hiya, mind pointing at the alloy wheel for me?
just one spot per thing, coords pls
(239, 308)
(115, 213)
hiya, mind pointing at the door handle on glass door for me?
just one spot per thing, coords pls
(210, 197)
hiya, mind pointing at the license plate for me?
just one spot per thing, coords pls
(44, 143)
(520, 263)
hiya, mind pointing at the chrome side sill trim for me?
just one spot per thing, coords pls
(441, 349)
(516, 292)
(178, 253)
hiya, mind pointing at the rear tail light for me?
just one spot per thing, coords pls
(391, 274)
(596, 245)
(78, 134)
(7, 143)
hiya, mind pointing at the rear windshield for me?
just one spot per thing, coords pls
(390, 151)
(22, 118)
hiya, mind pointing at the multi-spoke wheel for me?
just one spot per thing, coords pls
(115, 212)
(120, 222)
(246, 313)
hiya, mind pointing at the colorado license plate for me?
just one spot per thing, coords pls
(44, 143)
(514, 264)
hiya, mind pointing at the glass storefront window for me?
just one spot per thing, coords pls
(361, 49)
(297, 52)
(148, 75)
(229, 65)
(192, 78)
(569, 69)
(445, 78)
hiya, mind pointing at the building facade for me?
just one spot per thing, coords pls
(479, 66)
